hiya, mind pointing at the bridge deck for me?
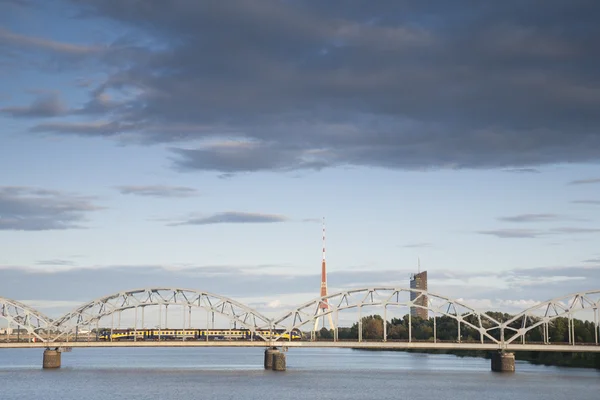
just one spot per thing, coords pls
(579, 348)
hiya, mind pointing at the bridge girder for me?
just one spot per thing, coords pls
(389, 297)
(93, 311)
(509, 331)
(24, 317)
(549, 311)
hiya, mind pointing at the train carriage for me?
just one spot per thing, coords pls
(194, 334)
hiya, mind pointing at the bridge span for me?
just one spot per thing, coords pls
(577, 348)
(156, 308)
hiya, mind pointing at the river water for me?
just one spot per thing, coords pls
(237, 373)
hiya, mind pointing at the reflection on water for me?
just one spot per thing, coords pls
(224, 373)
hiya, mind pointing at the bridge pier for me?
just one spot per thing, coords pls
(52, 359)
(503, 362)
(274, 359)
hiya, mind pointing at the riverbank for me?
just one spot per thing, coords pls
(558, 359)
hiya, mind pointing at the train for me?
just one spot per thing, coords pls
(195, 334)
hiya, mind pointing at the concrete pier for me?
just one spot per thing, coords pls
(269, 357)
(278, 361)
(503, 362)
(274, 359)
(52, 359)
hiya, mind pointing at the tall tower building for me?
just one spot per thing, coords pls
(419, 281)
(323, 306)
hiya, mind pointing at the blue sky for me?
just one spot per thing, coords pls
(200, 147)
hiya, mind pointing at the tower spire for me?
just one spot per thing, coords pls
(323, 305)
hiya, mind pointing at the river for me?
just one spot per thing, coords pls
(237, 373)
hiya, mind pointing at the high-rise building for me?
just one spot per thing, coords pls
(419, 281)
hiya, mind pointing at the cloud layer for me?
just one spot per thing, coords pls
(274, 284)
(585, 181)
(272, 85)
(232, 217)
(530, 218)
(534, 233)
(157, 190)
(35, 209)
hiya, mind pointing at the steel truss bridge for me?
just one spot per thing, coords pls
(510, 335)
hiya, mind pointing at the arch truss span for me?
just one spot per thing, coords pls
(21, 316)
(533, 323)
(467, 318)
(88, 315)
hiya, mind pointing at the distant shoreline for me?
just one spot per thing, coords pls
(555, 359)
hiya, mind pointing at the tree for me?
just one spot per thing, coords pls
(325, 333)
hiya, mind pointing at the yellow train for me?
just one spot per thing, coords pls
(195, 334)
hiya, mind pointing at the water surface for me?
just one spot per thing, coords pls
(237, 373)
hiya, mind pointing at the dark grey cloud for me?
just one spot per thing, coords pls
(594, 202)
(309, 85)
(95, 128)
(48, 105)
(35, 209)
(530, 218)
(585, 181)
(158, 190)
(15, 40)
(231, 217)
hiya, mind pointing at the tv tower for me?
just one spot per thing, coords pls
(323, 306)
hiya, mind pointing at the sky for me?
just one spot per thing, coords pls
(199, 145)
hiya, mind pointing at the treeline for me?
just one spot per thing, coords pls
(446, 329)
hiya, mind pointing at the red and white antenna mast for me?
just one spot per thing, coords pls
(324, 273)
(323, 305)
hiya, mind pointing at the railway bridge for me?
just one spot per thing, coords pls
(183, 314)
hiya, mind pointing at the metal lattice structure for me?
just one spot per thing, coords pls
(386, 297)
(90, 313)
(519, 328)
(542, 315)
(24, 317)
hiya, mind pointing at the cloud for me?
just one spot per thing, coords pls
(313, 220)
(533, 233)
(157, 190)
(585, 181)
(272, 287)
(593, 260)
(51, 304)
(311, 85)
(574, 230)
(49, 105)
(530, 218)
(523, 170)
(22, 41)
(56, 262)
(418, 245)
(594, 202)
(34, 209)
(90, 128)
(232, 217)
(512, 233)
